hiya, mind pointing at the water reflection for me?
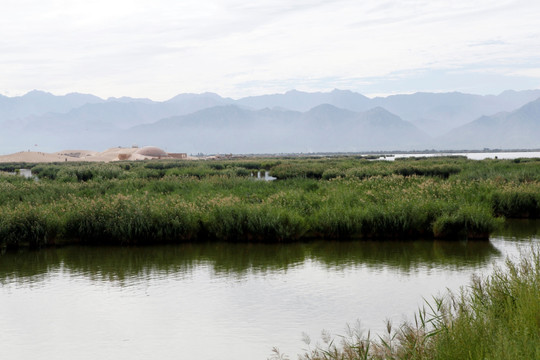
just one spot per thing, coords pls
(519, 229)
(237, 259)
(263, 175)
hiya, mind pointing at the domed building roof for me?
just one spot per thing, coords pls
(151, 151)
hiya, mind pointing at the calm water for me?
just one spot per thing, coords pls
(476, 156)
(224, 301)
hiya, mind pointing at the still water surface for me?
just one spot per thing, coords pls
(475, 155)
(224, 301)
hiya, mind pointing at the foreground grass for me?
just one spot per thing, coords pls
(172, 201)
(497, 317)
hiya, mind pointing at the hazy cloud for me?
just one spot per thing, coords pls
(160, 48)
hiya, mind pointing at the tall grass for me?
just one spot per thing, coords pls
(517, 201)
(28, 225)
(496, 317)
(133, 202)
(127, 220)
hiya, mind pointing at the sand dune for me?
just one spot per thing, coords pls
(112, 154)
(35, 157)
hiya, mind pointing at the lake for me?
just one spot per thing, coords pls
(508, 155)
(223, 300)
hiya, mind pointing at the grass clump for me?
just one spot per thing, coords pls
(124, 219)
(523, 202)
(253, 223)
(26, 224)
(469, 221)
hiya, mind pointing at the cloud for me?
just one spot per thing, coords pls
(530, 72)
(158, 49)
(488, 43)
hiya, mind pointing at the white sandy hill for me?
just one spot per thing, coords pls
(34, 157)
(112, 154)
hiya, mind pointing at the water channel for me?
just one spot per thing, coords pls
(225, 301)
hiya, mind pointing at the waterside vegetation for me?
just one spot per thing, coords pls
(333, 198)
(495, 317)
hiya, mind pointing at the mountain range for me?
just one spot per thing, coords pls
(504, 130)
(295, 121)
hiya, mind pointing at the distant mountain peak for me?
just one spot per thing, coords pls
(329, 112)
(531, 110)
(519, 129)
(533, 103)
(34, 93)
(324, 107)
(211, 94)
(294, 91)
(127, 99)
(379, 110)
(192, 96)
(338, 91)
(226, 108)
(329, 109)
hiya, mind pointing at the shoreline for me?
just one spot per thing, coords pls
(126, 153)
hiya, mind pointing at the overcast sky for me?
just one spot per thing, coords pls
(160, 48)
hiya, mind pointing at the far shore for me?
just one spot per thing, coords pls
(133, 153)
(112, 154)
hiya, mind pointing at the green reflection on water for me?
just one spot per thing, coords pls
(236, 259)
(520, 229)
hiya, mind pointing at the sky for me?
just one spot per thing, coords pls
(160, 48)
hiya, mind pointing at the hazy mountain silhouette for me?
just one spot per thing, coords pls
(437, 114)
(231, 129)
(434, 113)
(291, 122)
(94, 123)
(518, 129)
(40, 102)
(114, 114)
(303, 101)
(127, 99)
(19, 111)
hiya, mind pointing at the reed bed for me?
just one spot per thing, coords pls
(495, 317)
(168, 201)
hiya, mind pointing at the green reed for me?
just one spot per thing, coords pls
(164, 201)
(495, 317)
